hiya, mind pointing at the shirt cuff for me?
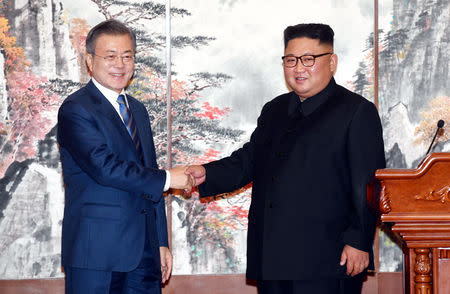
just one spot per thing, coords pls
(167, 184)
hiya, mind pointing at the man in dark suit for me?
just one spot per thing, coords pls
(114, 237)
(312, 154)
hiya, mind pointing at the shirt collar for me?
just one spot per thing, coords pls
(309, 105)
(108, 93)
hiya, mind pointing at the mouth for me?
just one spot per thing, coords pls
(300, 79)
(117, 74)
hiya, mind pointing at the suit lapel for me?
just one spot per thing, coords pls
(109, 112)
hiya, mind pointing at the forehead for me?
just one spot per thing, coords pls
(114, 42)
(300, 46)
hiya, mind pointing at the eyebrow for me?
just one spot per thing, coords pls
(292, 54)
(114, 51)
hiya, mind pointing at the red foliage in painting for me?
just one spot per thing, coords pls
(227, 211)
(209, 155)
(235, 210)
(180, 91)
(30, 105)
(78, 32)
(148, 86)
(212, 112)
(29, 119)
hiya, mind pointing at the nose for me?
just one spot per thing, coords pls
(118, 62)
(299, 67)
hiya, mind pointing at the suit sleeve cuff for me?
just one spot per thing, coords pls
(356, 239)
(167, 184)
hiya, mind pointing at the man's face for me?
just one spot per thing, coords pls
(112, 73)
(308, 81)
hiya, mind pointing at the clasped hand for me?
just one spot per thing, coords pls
(179, 179)
(187, 177)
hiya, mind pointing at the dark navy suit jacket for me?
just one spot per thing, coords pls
(310, 163)
(109, 193)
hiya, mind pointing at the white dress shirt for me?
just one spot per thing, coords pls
(111, 96)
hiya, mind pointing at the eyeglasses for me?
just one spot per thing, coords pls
(110, 59)
(307, 60)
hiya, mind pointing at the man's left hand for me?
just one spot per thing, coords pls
(166, 263)
(357, 260)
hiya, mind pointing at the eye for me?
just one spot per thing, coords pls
(110, 57)
(290, 59)
(127, 58)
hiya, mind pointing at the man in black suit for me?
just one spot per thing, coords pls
(310, 158)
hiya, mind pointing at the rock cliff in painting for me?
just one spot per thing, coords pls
(413, 71)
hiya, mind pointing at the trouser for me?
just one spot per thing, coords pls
(146, 278)
(324, 286)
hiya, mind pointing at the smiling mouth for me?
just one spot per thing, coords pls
(117, 75)
(300, 79)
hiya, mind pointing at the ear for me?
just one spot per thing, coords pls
(333, 63)
(89, 62)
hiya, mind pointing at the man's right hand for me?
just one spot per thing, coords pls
(197, 172)
(179, 179)
(357, 260)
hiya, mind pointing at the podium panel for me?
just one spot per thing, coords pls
(417, 204)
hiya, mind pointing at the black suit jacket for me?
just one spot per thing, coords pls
(309, 163)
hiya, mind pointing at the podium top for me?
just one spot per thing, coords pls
(423, 168)
(424, 190)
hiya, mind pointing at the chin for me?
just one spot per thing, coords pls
(301, 92)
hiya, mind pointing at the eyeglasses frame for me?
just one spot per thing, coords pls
(300, 58)
(117, 57)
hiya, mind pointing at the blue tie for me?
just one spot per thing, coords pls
(130, 124)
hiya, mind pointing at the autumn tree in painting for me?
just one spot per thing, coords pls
(14, 56)
(33, 102)
(211, 223)
(29, 104)
(79, 29)
(439, 108)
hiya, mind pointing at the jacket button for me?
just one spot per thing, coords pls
(270, 205)
(143, 211)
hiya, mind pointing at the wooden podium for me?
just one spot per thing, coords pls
(417, 204)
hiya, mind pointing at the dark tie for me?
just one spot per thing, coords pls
(130, 124)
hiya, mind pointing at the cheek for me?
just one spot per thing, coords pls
(131, 71)
(288, 73)
(315, 73)
(314, 70)
(99, 67)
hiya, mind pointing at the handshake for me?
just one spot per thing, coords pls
(187, 177)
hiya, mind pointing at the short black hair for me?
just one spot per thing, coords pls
(322, 32)
(108, 27)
